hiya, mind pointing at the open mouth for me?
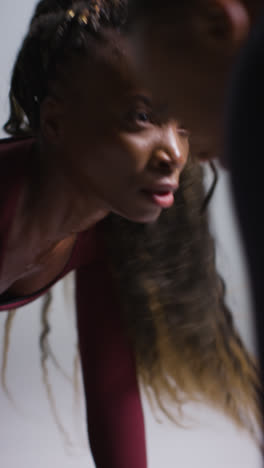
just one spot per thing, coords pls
(162, 198)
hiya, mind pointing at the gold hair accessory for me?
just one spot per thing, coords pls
(70, 14)
(84, 17)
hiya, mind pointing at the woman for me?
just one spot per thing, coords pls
(86, 188)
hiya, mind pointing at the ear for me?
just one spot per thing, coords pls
(51, 120)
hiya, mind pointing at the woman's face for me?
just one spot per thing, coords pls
(186, 59)
(115, 143)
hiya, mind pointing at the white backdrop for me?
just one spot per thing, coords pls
(28, 434)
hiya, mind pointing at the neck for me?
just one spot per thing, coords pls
(55, 202)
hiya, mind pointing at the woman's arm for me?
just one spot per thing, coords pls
(114, 411)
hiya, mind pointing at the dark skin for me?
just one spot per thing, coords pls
(187, 56)
(102, 148)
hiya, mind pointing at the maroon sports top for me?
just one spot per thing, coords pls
(114, 411)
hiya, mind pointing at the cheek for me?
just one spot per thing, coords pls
(108, 165)
(127, 154)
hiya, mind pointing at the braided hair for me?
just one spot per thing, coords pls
(59, 28)
(172, 298)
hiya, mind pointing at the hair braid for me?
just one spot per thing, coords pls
(45, 351)
(54, 35)
(6, 344)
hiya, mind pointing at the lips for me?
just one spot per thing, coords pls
(164, 200)
(162, 195)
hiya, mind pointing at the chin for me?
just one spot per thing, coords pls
(143, 218)
(139, 212)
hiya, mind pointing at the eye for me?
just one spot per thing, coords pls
(183, 131)
(142, 116)
(138, 119)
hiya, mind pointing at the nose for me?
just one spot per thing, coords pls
(171, 151)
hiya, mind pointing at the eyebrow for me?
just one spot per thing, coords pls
(160, 108)
(143, 98)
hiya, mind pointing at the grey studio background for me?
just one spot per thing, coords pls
(29, 437)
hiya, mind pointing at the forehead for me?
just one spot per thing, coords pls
(104, 71)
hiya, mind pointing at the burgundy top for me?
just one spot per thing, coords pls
(115, 416)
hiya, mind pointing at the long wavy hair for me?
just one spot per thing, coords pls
(172, 298)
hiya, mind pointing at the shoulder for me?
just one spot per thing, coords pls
(14, 162)
(13, 150)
